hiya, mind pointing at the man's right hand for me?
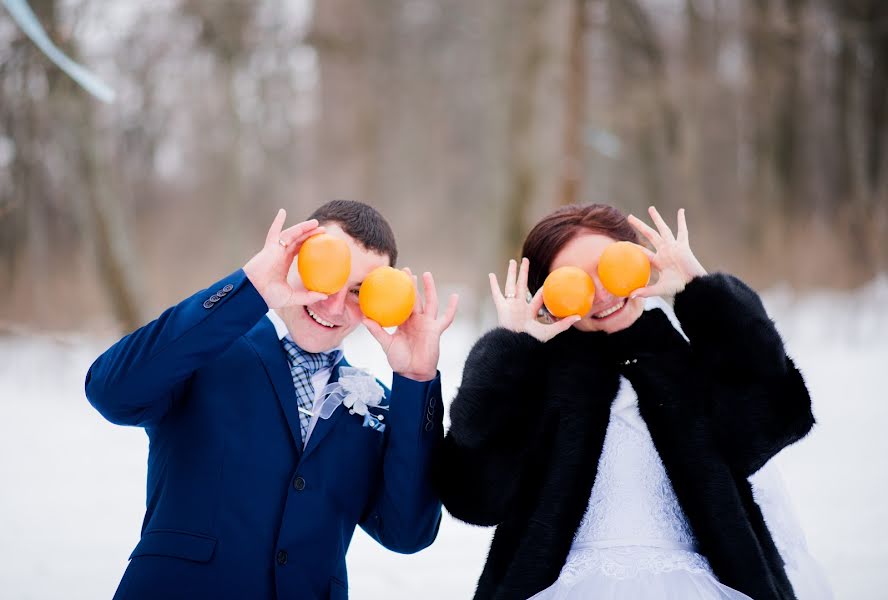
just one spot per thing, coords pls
(268, 270)
(513, 310)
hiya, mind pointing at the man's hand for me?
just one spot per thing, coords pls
(267, 271)
(413, 349)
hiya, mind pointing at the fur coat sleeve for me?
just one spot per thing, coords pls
(759, 401)
(480, 464)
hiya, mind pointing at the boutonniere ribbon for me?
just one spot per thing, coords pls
(358, 391)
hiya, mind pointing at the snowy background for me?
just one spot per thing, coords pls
(72, 485)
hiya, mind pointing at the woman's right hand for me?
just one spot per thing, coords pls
(515, 313)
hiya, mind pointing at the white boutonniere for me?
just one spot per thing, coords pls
(358, 391)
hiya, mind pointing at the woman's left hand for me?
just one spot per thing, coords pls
(673, 260)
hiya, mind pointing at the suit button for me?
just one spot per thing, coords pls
(227, 288)
(282, 557)
(214, 298)
(299, 484)
(208, 304)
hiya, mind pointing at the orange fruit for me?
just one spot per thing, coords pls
(324, 263)
(568, 291)
(623, 268)
(387, 296)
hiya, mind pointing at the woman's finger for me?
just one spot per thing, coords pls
(562, 325)
(682, 226)
(536, 303)
(646, 230)
(652, 256)
(665, 232)
(511, 276)
(521, 284)
(660, 288)
(495, 291)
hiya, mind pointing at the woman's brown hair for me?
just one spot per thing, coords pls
(555, 230)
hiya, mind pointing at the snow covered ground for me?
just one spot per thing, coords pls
(72, 485)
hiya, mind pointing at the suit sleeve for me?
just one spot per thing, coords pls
(482, 459)
(138, 379)
(760, 403)
(405, 511)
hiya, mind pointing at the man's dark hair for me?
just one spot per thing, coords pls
(363, 223)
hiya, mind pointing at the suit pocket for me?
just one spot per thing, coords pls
(177, 544)
(338, 590)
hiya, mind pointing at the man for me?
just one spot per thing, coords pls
(252, 494)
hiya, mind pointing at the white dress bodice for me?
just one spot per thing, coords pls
(634, 523)
(632, 500)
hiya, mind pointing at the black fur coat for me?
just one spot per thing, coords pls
(529, 420)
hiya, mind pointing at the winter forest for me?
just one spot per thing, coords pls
(463, 122)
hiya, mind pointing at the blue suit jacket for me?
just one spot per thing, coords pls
(236, 508)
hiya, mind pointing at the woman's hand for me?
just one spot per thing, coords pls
(673, 259)
(515, 313)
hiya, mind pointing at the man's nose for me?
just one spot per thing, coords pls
(334, 305)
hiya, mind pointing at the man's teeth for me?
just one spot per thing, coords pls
(318, 319)
(610, 311)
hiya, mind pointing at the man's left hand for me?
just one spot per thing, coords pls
(413, 349)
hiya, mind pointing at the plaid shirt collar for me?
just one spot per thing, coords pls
(298, 357)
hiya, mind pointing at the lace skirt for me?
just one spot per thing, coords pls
(637, 573)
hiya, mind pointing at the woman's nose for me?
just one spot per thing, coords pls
(602, 296)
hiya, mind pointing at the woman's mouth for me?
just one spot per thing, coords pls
(609, 312)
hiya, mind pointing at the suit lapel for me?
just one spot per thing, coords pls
(324, 426)
(265, 342)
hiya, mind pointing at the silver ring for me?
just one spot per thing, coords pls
(282, 242)
(510, 296)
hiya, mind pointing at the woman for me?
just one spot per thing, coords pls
(611, 452)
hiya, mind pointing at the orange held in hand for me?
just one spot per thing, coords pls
(623, 268)
(568, 291)
(387, 296)
(324, 263)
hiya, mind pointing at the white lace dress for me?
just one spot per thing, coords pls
(634, 541)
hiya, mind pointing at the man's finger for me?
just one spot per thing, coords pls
(274, 232)
(300, 230)
(450, 312)
(431, 295)
(379, 334)
(418, 308)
